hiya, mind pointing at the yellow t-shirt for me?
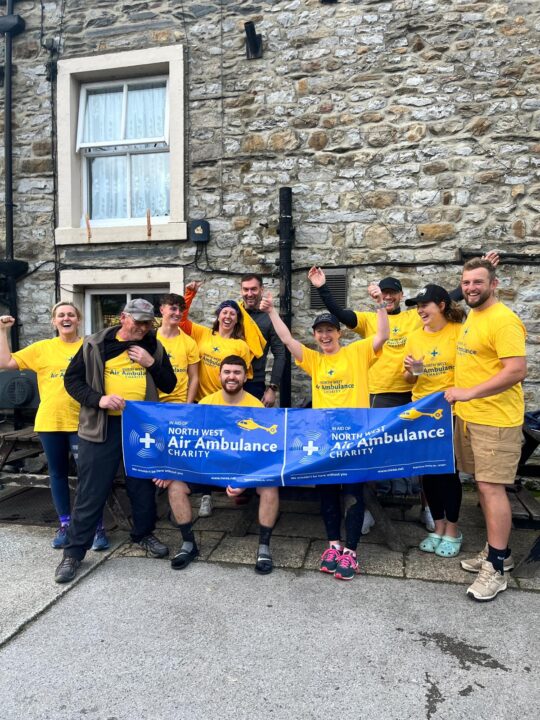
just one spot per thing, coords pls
(58, 411)
(439, 351)
(486, 337)
(213, 349)
(387, 374)
(340, 380)
(125, 378)
(182, 351)
(217, 398)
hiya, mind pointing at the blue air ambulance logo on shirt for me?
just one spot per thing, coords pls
(224, 445)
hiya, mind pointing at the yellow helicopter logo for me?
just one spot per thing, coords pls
(250, 424)
(413, 414)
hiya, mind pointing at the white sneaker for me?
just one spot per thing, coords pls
(426, 518)
(369, 522)
(488, 584)
(206, 506)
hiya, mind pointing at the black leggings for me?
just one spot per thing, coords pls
(331, 512)
(443, 494)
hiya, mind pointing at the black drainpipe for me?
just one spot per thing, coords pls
(10, 25)
(286, 237)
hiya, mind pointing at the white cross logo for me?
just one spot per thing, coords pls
(147, 441)
(310, 448)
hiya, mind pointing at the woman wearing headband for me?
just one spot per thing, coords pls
(225, 337)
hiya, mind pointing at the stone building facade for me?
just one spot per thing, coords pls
(408, 130)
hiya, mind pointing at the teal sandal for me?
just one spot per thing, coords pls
(431, 543)
(449, 546)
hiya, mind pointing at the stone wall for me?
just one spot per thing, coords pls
(407, 129)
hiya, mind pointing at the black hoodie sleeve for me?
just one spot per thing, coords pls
(347, 317)
(456, 294)
(163, 374)
(76, 385)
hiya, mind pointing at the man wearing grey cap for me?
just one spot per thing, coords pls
(124, 362)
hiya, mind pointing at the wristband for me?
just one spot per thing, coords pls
(272, 386)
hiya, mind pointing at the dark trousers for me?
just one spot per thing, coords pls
(390, 399)
(443, 493)
(330, 496)
(97, 466)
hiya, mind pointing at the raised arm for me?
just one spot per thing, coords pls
(6, 360)
(283, 332)
(383, 326)
(190, 291)
(317, 278)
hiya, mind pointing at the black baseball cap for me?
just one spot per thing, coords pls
(430, 293)
(390, 283)
(326, 318)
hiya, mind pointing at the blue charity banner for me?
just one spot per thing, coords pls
(249, 447)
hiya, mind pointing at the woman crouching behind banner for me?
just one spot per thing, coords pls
(338, 380)
(430, 354)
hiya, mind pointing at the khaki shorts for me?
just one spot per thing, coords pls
(489, 453)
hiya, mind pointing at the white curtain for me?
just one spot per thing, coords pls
(150, 184)
(103, 116)
(108, 187)
(108, 178)
(145, 112)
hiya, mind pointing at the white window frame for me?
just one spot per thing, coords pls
(143, 65)
(124, 85)
(131, 292)
(76, 284)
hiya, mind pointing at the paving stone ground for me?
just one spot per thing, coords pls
(299, 539)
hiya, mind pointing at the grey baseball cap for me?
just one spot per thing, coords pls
(140, 309)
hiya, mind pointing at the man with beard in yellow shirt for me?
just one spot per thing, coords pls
(489, 405)
(233, 375)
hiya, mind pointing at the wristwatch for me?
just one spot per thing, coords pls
(272, 386)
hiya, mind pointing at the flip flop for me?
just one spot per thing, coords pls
(449, 546)
(430, 543)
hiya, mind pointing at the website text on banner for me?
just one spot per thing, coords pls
(247, 447)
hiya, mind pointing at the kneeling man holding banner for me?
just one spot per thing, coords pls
(232, 374)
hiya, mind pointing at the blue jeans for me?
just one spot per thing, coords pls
(57, 446)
